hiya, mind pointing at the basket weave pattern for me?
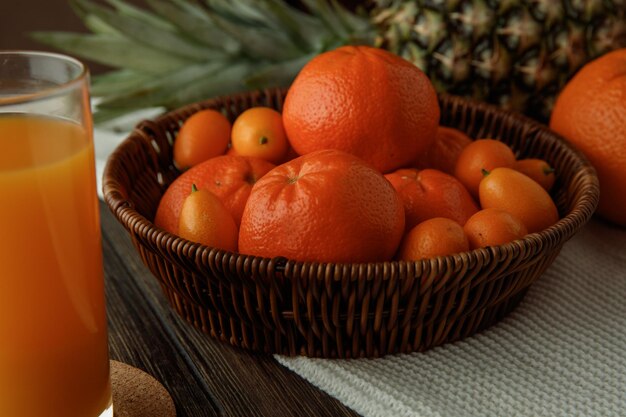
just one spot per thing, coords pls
(342, 310)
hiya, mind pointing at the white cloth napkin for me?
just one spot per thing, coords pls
(562, 352)
(108, 136)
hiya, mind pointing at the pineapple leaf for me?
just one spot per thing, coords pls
(104, 115)
(112, 50)
(228, 80)
(93, 23)
(195, 23)
(239, 12)
(322, 9)
(97, 25)
(158, 91)
(141, 15)
(305, 32)
(172, 52)
(277, 75)
(349, 20)
(143, 32)
(193, 8)
(117, 82)
(182, 87)
(259, 42)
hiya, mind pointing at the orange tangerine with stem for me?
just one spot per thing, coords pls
(258, 132)
(482, 154)
(537, 169)
(512, 191)
(229, 177)
(204, 219)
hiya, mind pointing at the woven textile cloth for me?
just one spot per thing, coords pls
(108, 136)
(561, 352)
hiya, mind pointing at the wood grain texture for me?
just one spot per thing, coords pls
(204, 376)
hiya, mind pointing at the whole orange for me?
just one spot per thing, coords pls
(431, 193)
(326, 206)
(204, 219)
(201, 137)
(364, 101)
(229, 177)
(591, 113)
(438, 236)
(443, 153)
(511, 191)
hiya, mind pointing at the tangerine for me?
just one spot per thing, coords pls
(259, 132)
(204, 219)
(537, 169)
(434, 237)
(229, 177)
(479, 156)
(364, 101)
(326, 206)
(431, 193)
(514, 192)
(202, 136)
(590, 112)
(444, 151)
(492, 227)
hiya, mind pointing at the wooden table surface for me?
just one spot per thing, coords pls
(204, 376)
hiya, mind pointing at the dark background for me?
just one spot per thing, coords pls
(19, 17)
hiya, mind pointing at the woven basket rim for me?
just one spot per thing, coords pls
(582, 210)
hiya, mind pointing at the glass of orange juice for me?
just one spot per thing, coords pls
(53, 339)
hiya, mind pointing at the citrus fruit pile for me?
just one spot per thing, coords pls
(356, 168)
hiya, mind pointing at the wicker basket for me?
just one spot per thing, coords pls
(342, 310)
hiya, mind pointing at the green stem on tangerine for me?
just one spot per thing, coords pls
(194, 188)
(263, 140)
(485, 172)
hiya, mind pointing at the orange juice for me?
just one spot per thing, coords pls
(53, 339)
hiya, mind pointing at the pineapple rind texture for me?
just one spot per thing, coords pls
(514, 53)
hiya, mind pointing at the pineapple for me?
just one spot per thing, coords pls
(515, 53)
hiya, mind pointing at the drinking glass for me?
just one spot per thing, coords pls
(53, 338)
